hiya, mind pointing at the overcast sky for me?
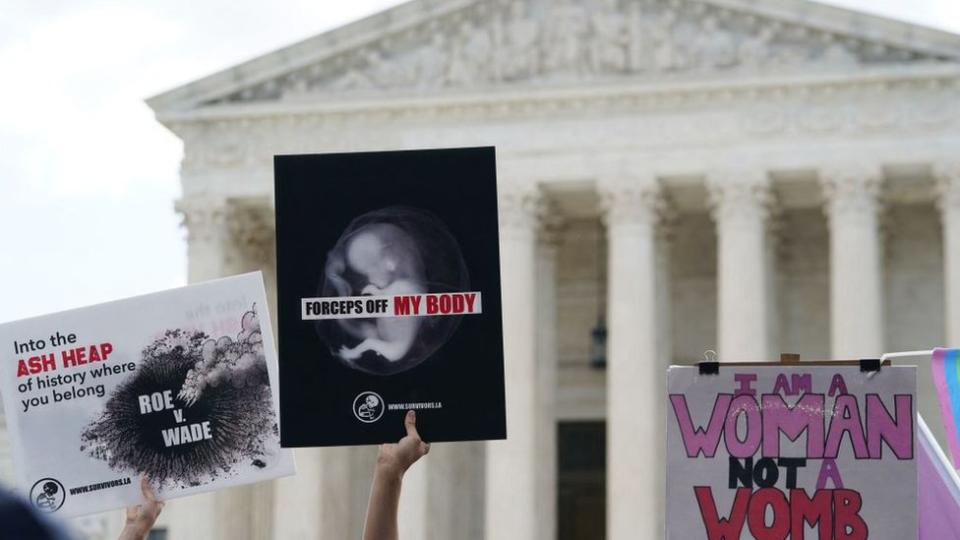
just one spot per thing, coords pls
(88, 177)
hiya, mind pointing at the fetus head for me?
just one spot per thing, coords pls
(368, 254)
(50, 489)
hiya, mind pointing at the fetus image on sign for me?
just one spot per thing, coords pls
(391, 251)
(370, 408)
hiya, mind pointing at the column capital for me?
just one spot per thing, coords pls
(250, 224)
(631, 200)
(851, 192)
(551, 224)
(946, 173)
(739, 194)
(520, 208)
(204, 217)
(851, 188)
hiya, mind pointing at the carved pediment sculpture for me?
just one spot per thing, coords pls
(490, 43)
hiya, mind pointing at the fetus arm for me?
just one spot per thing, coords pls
(336, 266)
(372, 290)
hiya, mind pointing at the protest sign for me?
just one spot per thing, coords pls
(796, 452)
(178, 386)
(388, 277)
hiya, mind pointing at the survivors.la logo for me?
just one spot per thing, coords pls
(368, 407)
(47, 495)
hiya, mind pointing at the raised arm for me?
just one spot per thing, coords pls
(392, 463)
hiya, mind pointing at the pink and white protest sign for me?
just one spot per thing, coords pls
(791, 452)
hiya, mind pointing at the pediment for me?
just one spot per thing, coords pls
(448, 45)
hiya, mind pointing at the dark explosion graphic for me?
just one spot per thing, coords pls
(223, 381)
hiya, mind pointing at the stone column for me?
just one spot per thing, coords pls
(856, 276)
(551, 230)
(443, 495)
(246, 512)
(297, 510)
(343, 490)
(194, 517)
(947, 174)
(327, 498)
(227, 237)
(205, 221)
(512, 465)
(741, 200)
(252, 240)
(413, 514)
(635, 433)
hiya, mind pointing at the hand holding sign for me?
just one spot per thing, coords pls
(140, 518)
(392, 463)
(395, 459)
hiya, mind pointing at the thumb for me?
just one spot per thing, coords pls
(410, 422)
(148, 493)
(147, 490)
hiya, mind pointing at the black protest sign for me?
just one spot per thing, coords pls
(388, 278)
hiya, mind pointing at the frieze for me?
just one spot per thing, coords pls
(897, 105)
(552, 42)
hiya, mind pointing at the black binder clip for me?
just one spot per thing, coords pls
(709, 368)
(869, 365)
(710, 365)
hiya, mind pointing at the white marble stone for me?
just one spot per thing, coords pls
(635, 377)
(512, 465)
(856, 271)
(551, 229)
(741, 200)
(437, 491)
(947, 174)
(298, 498)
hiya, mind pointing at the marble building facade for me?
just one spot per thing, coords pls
(748, 177)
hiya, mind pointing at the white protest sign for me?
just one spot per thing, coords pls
(178, 386)
(779, 452)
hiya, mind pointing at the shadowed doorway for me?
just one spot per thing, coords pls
(581, 461)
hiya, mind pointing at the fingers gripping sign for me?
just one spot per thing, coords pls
(396, 458)
(140, 518)
(410, 422)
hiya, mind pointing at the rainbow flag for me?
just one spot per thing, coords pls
(946, 377)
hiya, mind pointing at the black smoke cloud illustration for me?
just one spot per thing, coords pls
(223, 381)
